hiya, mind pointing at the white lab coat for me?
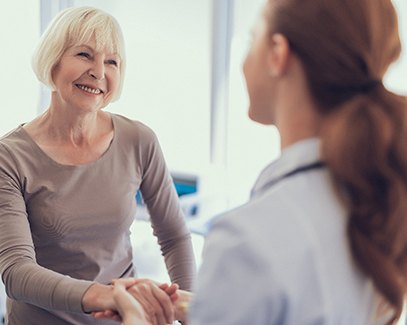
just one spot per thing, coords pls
(283, 258)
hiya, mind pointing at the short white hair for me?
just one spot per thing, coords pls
(76, 26)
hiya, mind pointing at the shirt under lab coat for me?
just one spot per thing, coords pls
(284, 257)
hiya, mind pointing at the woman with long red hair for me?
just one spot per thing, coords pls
(323, 239)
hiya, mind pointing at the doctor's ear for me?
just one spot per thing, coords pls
(278, 55)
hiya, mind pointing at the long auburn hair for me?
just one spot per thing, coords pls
(346, 47)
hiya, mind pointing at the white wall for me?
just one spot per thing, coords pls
(251, 146)
(167, 84)
(396, 79)
(167, 77)
(20, 29)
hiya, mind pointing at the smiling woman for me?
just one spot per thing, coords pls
(99, 29)
(68, 181)
(86, 77)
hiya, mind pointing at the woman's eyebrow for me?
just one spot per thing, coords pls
(94, 50)
(84, 45)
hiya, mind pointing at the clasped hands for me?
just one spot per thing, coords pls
(146, 302)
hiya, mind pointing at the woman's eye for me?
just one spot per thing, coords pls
(113, 62)
(84, 54)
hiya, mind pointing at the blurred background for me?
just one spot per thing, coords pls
(184, 80)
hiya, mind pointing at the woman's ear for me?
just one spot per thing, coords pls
(278, 55)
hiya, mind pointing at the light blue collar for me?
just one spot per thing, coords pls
(296, 156)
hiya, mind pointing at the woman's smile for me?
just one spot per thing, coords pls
(89, 90)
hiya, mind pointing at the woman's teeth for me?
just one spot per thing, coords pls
(89, 90)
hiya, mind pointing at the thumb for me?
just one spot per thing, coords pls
(125, 282)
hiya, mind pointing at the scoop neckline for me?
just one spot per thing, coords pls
(104, 156)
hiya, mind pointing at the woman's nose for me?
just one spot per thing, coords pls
(97, 71)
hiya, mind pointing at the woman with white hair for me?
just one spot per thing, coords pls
(68, 181)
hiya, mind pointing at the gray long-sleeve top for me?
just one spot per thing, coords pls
(62, 227)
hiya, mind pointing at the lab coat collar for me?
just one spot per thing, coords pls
(295, 156)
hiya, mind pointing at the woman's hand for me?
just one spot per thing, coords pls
(141, 301)
(129, 311)
(182, 304)
(156, 300)
(127, 306)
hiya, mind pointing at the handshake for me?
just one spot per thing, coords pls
(138, 302)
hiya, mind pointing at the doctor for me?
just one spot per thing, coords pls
(323, 239)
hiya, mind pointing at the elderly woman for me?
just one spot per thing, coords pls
(68, 181)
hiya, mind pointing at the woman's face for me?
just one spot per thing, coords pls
(85, 78)
(256, 71)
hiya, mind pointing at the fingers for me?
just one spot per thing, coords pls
(107, 314)
(140, 295)
(130, 309)
(124, 282)
(123, 299)
(142, 292)
(154, 300)
(143, 297)
(170, 290)
(166, 304)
